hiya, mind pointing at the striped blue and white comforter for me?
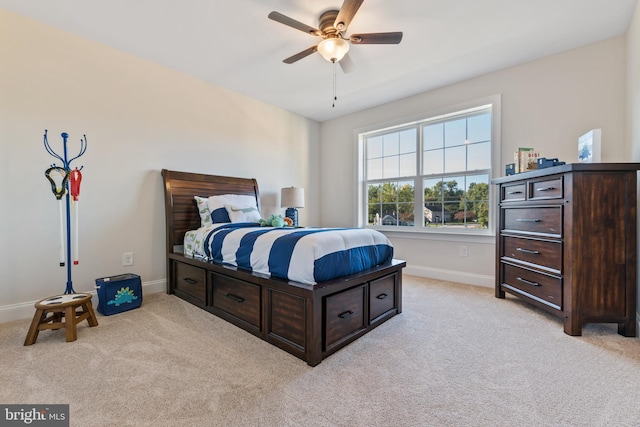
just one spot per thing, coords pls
(305, 255)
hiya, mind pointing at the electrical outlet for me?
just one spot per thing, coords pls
(463, 251)
(127, 258)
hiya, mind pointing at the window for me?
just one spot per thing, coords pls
(431, 174)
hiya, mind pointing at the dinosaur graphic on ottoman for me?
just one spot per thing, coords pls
(123, 296)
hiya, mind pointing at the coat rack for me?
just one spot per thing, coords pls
(66, 182)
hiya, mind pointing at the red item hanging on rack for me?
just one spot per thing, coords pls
(75, 177)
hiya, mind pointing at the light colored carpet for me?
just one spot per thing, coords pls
(456, 356)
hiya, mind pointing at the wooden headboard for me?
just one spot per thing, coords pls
(181, 211)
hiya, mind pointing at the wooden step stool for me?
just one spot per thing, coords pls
(50, 312)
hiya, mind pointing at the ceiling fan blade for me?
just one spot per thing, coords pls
(346, 14)
(376, 38)
(298, 56)
(347, 64)
(283, 19)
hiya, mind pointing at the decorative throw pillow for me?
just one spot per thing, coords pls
(203, 210)
(239, 213)
(218, 211)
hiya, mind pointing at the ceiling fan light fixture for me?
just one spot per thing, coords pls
(333, 49)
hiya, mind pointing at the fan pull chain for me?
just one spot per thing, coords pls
(335, 97)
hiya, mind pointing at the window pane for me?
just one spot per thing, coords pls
(408, 141)
(477, 205)
(433, 162)
(373, 202)
(374, 147)
(405, 214)
(432, 190)
(433, 136)
(455, 159)
(389, 214)
(479, 128)
(477, 187)
(481, 212)
(374, 169)
(453, 189)
(408, 164)
(449, 214)
(479, 156)
(390, 167)
(391, 144)
(433, 214)
(406, 193)
(455, 132)
(389, 193)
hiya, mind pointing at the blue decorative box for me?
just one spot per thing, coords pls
(543, 163)
(119, 293)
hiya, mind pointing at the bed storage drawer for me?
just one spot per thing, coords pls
(344, 315)
(237, 298)
(191, 281)
(382, 297)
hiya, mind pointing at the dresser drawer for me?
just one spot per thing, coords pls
(545, 254)
(238, 298)
(344, 315)
(513, 192)
(382, 296)
(546, 189)
(543, 220)
(191, 280)
(547, 289)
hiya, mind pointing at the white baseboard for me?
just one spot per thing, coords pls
(25, 310)
(451, 276)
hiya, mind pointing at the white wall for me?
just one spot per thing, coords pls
(633, 85)
(138, 118)
(546, 104)
(633, 97)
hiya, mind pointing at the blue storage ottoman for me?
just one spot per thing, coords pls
(119, 293)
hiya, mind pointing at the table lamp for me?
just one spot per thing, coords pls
(292, 198)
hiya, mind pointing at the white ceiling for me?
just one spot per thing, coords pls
(233, 44)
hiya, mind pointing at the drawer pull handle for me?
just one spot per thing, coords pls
(529, 220)
(190, 281)
(515, 192)
(382, 296)
(346, 314)
(545, 188)
(234, 297)
(527, 282)
(528, 251)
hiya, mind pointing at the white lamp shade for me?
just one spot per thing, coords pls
(292, 197)
(333, 49)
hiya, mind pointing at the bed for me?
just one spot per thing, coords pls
(311, 317)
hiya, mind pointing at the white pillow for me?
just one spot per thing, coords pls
(240, 213)
(218, 211)
(203, 210)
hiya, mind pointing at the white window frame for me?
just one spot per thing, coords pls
(444, 233)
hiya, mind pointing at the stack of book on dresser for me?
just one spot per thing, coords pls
(525, 159)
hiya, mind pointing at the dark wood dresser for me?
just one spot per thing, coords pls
(566, 242)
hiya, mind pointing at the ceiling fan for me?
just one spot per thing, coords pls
(334, 46)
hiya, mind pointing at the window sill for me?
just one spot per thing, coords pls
(445, 235)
